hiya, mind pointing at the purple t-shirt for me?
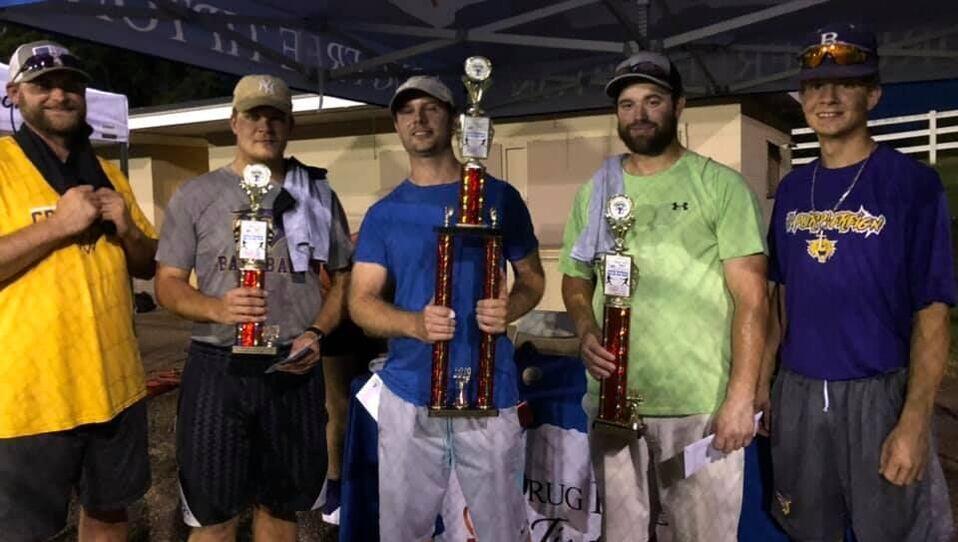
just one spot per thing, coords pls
(855, 276)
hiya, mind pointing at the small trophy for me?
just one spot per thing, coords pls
(475, 137)
(253, 233)
(618, 408)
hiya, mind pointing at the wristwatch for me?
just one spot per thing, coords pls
(320, 334)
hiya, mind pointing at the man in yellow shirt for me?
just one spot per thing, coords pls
(72, 413)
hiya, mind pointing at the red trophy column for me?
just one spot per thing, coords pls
(250, 333)
(440, 349)
(613, 389)
(487, 345)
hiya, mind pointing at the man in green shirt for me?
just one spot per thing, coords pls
(698, 312)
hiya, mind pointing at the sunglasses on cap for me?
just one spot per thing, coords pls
(645, 67)
(843, 54)
(45, 61)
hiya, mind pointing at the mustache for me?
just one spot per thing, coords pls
(642, 124)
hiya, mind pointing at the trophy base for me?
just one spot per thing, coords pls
(463, 412)
(628, 431)
(255, 350)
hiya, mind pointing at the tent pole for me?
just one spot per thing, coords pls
(125, 159)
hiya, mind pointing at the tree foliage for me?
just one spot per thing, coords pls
(145, 80)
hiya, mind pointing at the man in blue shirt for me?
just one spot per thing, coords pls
(860, 253)
(397, 249)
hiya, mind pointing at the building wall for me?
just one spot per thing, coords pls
(760, 143)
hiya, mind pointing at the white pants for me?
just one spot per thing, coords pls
(416, 456)
(637, 477)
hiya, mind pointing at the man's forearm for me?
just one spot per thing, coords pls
(930, 340)
(140, 251)
(523, 298)
(381, 319)
(184, 300)
(749, 322)
(25, 247)
(773, 336)
(577, 296)
(334, 306)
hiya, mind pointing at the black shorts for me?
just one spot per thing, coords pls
(106, 463)
(826, 447)
(243, 437)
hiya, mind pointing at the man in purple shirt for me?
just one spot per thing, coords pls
(860, 254)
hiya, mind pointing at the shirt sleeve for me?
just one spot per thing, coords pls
(738, 222)
(340, 244)
(573, 229)
(177, 246)
(929, 250)
(371, 245)
(520, 238)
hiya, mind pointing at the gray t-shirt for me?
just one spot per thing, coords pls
(198, 234)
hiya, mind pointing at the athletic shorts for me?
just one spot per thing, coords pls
(417, 455)
(826, 447)
(106, 463)
(244, 437)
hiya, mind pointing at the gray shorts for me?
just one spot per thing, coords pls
(826, 447)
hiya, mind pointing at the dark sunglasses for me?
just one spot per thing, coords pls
(842, 54)
(44, 61)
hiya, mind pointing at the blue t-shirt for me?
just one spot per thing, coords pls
(854, 277)
(398, 233)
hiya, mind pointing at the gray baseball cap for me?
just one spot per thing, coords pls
(31, 60)
(425, 84)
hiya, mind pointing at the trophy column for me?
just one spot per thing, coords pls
(475, 133)
(618, 409)
(440, 349)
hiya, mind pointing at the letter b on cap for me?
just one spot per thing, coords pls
(829, 38)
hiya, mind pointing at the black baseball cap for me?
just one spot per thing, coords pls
(645, 67)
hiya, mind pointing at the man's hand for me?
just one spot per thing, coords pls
(598, 361)
(491, 314)
(763, 404)
(905, 453)
(307, 340)
(241, 305)
(734, 425)
(113, 209)
(435, 323)
(76, 210)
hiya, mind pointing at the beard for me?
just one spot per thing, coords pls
(37, 118)
(652, 144)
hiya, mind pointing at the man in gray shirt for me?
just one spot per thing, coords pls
(243, 435)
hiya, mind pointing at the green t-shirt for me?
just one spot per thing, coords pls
(688, 219)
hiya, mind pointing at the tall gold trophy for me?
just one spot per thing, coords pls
(618, 407)
(475, 138)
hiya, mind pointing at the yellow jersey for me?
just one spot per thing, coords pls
(68, 352)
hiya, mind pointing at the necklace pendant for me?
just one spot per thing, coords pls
(821, 249)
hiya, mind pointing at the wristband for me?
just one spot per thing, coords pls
(320, 334)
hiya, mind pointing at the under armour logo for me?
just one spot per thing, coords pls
(267, 87)
(683, 206)
(829, 38)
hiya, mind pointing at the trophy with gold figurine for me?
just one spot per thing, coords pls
(618, 406)
(475, 139)
(253, 233)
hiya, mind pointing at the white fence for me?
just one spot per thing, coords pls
(904, 133)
